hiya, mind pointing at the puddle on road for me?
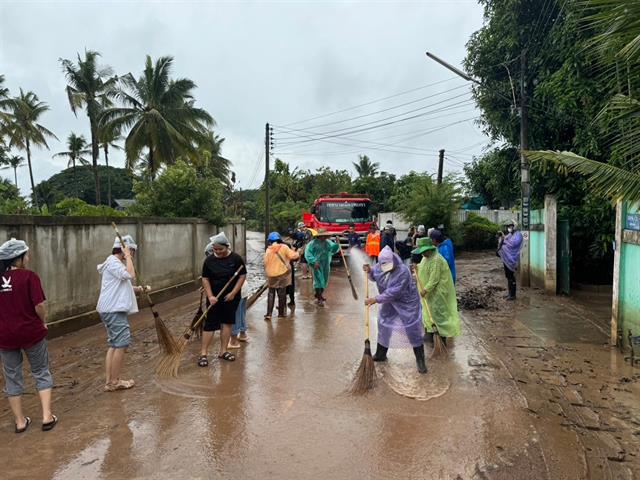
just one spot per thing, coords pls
(399, 373)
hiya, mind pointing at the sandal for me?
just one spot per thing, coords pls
(267, 318)
(49, 425)
(231, 345)
(228, 356)
(26, 425)
(203, 361)
(243, 339)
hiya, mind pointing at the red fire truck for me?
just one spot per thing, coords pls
(336, 212)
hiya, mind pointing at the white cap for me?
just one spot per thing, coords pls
(128, 241)
(386, 267)
(220, 239)
(13, 249)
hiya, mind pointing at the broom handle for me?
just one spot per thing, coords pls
(424, 300)
(368, 307)
(138, 278)
(346, 267)
(202, 317)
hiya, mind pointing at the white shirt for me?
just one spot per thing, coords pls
(116, 291)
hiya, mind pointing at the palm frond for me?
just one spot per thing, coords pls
(606, 180)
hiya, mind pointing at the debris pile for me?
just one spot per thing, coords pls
(478, 297)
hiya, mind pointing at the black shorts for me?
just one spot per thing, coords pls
(221, 313)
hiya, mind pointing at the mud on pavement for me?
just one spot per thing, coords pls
(529, 391)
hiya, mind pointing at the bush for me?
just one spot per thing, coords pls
(74, 207)
(478, 233)
(179, 192)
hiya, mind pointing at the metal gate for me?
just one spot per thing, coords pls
(564, 257)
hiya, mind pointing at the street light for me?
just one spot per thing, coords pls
(524, 161)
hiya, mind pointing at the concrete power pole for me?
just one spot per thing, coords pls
(525, 279)
(440, 166)
(267, 206)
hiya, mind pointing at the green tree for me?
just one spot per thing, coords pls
(495, 177)
(365, 167)
(178, 192)
(423, 202)
(89, 86)
(208, 160)
(379, 189)
(14, 162)
(61, 185)
(74, 207)
(11, 202)
(23, 130)
(160, 115)
(77, 147)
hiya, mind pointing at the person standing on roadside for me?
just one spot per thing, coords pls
(277, 267)
(388, 236)
(218, 269)
(319, 254)
(421, 232)
(353, 239)
(509, 247)
(116, 302)
(301, 237)
(23, 332)
(445, 248)
(372, 246)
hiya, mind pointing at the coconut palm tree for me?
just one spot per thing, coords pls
(618, 44)
(15, 162)
(77, 148)
(89, 86)
(23, 130)
(208, 160)
(365, 167)
(107, 138)
(159, 114)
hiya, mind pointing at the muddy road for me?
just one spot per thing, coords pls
(529, 391)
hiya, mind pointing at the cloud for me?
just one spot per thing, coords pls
(258, 62)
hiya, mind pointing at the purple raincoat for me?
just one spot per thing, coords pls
(400, 315)
(509, 250)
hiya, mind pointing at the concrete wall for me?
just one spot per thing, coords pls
(500, 217)
(537, 254)
(626, 284)
(65, 251)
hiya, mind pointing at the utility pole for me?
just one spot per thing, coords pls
(267, 206)
(440, 166)
(525, 279)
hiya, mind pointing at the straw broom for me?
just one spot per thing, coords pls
(439, 347)
(165, 339)
(197, 316)
(168, 365)
(365, 378)
(353, 289)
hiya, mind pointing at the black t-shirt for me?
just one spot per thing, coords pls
(220, 270)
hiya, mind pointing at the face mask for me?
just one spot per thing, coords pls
(510, 230)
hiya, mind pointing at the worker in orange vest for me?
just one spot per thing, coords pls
(372, 247)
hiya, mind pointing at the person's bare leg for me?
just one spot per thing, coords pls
(107, 363)
(117, 360)
(225, 334)
(207, 338)
(234, 342)
(15, 402)
(45, 401)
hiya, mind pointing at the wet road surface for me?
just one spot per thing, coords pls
(530, 391)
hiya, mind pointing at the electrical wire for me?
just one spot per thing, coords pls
(372, 101)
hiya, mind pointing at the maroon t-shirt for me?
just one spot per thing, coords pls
(20, 326)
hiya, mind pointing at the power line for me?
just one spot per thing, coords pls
(372, 101)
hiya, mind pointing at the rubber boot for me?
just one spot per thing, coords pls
(428, 337)
(381, 354)
(420, 361)
(512, 290)
(271, 300)
(282, 302)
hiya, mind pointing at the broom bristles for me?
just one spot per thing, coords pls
(166, 341)
(439, 347)
(365, 378)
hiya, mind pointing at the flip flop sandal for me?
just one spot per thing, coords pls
(203, 361)
(267, 318)
(228, 356)
(49, 425)
(233, 346)
(26, 425)
(122, 385)
(243, 339)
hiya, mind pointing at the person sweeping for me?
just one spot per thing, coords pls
(436, 282)
(399, 318)
(23, 332)
(116, 302)
(318, 254)
(277, 267)
(218, 269)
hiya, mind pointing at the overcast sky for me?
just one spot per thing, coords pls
(278, 62)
